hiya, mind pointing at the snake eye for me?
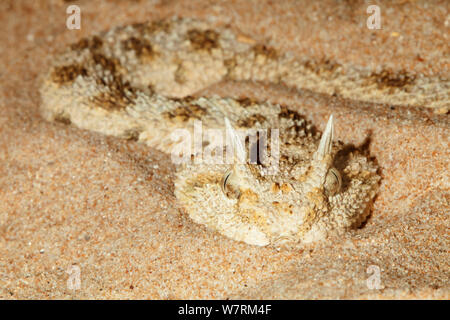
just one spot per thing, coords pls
(229, 185)
(333, 182)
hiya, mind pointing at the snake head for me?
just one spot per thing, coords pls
(305, 201)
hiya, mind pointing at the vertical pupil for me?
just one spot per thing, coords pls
(335, 176)
(225, 180)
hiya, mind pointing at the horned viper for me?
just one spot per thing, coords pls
(135, 82)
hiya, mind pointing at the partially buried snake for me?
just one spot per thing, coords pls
(135, 82)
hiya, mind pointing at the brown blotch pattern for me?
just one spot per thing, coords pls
(184, 113)
(149, 28)
(246, 102)
(93, 44)
(119, 96)
(119, 92)
(62, 118)
(141, 47)
(111, 64)
(65, 74)
(286, 113)
(390, 79)
(251, 120)
(269, 52)
(203, 40)
(323, 65)
(186, 99)
(298, 128)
